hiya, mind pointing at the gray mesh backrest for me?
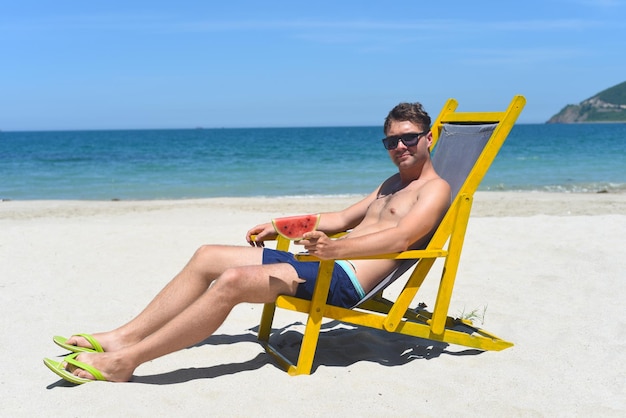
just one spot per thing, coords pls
(456, 152)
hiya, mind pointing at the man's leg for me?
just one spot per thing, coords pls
(208, 263)
(256, 284)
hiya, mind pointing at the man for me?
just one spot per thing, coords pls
(401, 213)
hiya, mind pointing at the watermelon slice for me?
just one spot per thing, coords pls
(294, 227)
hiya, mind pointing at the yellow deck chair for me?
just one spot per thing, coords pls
(464, 146)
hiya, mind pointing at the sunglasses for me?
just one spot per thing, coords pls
(409, 140)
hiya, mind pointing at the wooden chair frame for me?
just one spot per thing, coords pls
(446, 243)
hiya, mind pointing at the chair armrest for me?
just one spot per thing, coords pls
(335, 235)
(404, 255)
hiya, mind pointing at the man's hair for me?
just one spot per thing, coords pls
(412, 112)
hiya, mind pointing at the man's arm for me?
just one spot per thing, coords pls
(330, 222)
(423, 217)
(333, 222)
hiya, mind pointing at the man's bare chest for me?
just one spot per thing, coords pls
(393, 205)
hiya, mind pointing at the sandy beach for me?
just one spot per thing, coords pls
(548, 270)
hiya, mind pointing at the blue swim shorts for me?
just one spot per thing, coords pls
(345, 290)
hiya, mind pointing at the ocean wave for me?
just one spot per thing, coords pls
(599, 187)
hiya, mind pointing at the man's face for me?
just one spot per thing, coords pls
(403, 156)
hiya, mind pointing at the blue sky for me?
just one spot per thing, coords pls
(184, 64)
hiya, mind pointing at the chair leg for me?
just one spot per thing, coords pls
(265, 327)
(314, 320)
(442, 304)
(309, 345)
(398, 310)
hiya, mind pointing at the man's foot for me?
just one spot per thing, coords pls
(88, 343)
(90, 367)
(114, 367)
(59, 368)
(79, 343)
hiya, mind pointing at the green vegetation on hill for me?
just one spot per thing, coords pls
(607, 106)
(615, 95)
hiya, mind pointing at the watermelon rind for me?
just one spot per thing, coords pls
(294, 227)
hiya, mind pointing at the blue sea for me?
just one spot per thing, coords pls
(199, 163)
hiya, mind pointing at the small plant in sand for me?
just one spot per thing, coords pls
(475, 315)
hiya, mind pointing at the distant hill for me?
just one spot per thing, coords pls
(607, 106)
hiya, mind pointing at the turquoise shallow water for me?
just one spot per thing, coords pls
(196, 163)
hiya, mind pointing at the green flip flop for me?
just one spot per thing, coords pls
(95, 345)
(58, 369)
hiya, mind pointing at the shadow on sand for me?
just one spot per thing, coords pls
(339, 345)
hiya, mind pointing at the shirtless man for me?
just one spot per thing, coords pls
(401, 213)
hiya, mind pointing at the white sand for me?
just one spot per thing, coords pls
(550, 268)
